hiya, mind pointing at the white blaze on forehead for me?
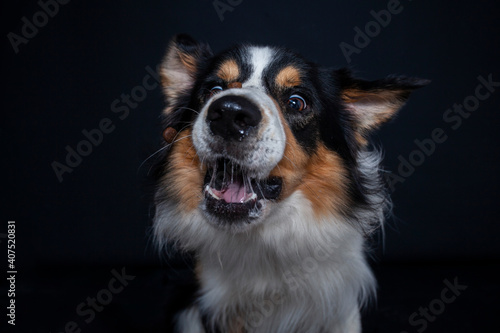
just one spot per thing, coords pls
(259, 58)
(263, 150)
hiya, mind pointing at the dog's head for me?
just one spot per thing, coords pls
(258, 125)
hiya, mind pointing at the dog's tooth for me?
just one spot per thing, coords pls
(211, 192)
(251, 197)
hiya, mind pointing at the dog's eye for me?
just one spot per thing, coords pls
(215, 90)
(297, 103)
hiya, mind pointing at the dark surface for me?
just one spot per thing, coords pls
(77, 71)
(49, 302)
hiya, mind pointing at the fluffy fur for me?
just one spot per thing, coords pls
(276, 203)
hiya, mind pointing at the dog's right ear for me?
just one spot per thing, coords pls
(180, 65)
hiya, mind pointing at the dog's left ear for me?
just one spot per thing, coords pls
(180, 66)
(372, 103)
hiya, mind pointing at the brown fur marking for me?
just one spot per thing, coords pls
(184, 179)
(288, 77)
(237, 85)
(325, 183)
(229, 71)
(322, 178)
(292, 165)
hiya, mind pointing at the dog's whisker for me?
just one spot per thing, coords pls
(232, 172)
(163, 148)
(190, 109)
(160, 150)
(292, 162)
(149, 157)
(225, 172)
(179, 133)
(214, 175)
(180, 139)
(187, 152)
(292, 150)
(281, 173)
(220, 261)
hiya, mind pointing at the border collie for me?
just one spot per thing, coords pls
(269, 178)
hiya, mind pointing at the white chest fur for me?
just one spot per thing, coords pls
(294, 274)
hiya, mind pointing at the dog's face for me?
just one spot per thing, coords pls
(257, 125)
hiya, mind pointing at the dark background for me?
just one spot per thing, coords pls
(70, 235)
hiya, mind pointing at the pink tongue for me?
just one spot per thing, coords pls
(235, 192)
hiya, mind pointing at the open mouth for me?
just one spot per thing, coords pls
(232, 196)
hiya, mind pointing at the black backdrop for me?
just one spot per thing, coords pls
(69, 72)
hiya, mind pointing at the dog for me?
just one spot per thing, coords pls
(269, 178)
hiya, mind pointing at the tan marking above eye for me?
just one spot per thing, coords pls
(288, 77)
(234, 85)
(229, 71)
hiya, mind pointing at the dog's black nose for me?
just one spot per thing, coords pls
(233, 117)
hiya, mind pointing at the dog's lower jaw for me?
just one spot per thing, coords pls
(288, 275)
